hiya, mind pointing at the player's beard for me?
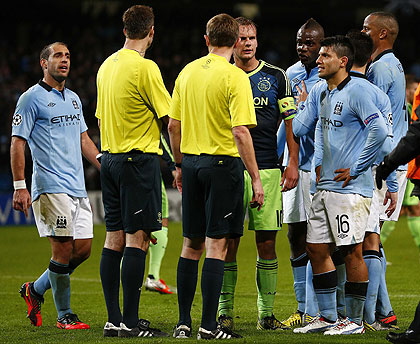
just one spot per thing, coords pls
(59, 77)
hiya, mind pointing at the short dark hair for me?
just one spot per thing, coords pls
(138, 21)
(341, 45)
(47, 50)
(312, 25)
(242, 21)
(222, 30)
(363, 47)
(387, 21)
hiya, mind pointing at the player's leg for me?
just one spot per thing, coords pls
(384, 310)
(224, 219)
(141, 204)
(348, 214)
(296, 205)
(112, 252)
(413, 213)
(193, 227)
(227, 294)
(319, 246)
(157, 251)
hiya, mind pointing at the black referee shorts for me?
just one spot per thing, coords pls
(212, 196)
(131, 191)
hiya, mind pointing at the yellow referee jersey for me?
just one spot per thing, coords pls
(131, 99)
(210, 97)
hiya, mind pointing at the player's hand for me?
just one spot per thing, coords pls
(303, 93)
(289, 178)
(22, 200)
(178, 179)
(257, 194)
(318, 173)
(343, 175)
(392, 197)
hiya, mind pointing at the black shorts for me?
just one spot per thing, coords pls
(131, 191)
(212, 196)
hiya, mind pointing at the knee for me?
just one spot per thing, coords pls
(115, 241)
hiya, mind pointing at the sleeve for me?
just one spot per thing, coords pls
(372, 118)
(24, 116)
(407, 149)
(175, 108)
(318, 145)
(153, 89)
(241, 101)
(281, 139)
(167, 154)
(307, 115)
(380, 75)
(285, 98)
(391, 181)
(83, 126)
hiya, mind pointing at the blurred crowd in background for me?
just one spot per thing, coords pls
(93, 30)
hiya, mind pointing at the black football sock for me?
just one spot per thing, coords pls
(186, 279)
(211, 285)
(132, 273)
(110, 277)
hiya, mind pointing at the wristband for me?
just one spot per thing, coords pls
(19, 184)
(178, 164)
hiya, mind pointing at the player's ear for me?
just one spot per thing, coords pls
(152, 31)
(207, 40)
(43, 63)
(383, 33)
(343, 61)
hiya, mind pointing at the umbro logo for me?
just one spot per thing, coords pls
(51, 104)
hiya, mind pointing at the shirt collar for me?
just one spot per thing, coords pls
(343, 83)
(44, 85)
(388, 51)
(357, 75)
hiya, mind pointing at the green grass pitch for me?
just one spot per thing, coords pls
(24, 256)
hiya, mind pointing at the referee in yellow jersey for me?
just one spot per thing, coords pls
(132, 100)
(211, 111)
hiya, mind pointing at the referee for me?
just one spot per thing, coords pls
(131, 101)
(212, 107)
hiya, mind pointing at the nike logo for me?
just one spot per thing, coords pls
(138, 211)
(227, 215)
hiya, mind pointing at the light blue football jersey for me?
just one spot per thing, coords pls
(387, 73)
(298, 73)
(52, 122)
(349, 133)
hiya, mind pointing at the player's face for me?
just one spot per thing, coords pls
(307, 46)
(372, 29)
(328, 63)
(410, 90)
(246, 48)
(58, 63)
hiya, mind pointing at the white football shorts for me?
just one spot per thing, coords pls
(337, 218)
(297, 202)
(63, 215)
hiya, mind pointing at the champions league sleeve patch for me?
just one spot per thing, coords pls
(370, 118)
(17, 119)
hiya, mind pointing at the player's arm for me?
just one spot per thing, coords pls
(21, 196)
(89, 149)
(290, 176)
(243, 141)
(377, 133)
(174, 129)
(318, 150)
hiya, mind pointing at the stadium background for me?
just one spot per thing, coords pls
(93, 30)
